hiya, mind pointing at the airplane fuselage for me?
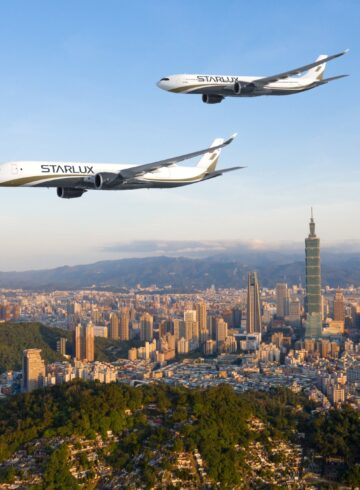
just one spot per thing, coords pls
(82, 175)
(226, 85)
(73, 179)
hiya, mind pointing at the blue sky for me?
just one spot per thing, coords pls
(78, 82)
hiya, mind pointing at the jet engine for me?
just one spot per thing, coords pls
(244, 88)
(67, 193)
(104, 180)
(237, 88)
(212, 99)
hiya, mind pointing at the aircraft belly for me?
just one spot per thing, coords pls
(227, 91)
(47, 181)
(69, 182)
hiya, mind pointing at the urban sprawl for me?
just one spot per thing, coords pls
(304, 338)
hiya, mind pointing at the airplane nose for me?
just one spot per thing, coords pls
(163, 83)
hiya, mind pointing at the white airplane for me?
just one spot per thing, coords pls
(73, 179)
(214, 88)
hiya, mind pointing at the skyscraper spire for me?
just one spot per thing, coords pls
(313, 308)
(253, 319)
(312, 225)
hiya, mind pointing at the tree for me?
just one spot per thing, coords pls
(57, 475)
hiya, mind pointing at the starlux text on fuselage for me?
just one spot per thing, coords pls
(208, 78)
(67, 169)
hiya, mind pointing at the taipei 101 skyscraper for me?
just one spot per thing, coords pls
(313, 324)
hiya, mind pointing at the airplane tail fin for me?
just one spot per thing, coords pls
(317, 73)
(209, 160)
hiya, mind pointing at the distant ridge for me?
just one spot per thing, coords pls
(186, 274)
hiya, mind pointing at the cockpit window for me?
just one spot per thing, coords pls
(164, 79)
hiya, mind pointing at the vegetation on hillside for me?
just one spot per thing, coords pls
(213, 420)
(15, 337)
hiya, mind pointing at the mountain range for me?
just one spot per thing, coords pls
(224, 270)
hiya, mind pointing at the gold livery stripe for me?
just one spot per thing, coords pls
(29, 180)
(191, 87)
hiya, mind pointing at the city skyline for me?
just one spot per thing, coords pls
(94, 98)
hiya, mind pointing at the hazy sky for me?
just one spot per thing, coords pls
(78, 82)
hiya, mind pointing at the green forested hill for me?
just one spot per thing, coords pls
(153, 424)
(14, 338)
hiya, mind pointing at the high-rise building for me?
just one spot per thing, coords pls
(294, 312)
(201, 315)
(282, 300)
(124, 325)
(61, 346)
(89, 342)
(132, 354)
(84, 342)
(313, 304)
(211, 326)
(176, 328)
(33, 369)
(313, 275)
(253, 319)
(190, 316)
(101, 331)
(77, 342)
(339, 307)
(182, 346)
(114, 326)
(146, 327)
(209, 347)
(221, 331)
(236, 317)
(325, 348)
(187, 329)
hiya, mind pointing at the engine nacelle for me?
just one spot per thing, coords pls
(104, 180)
(237, 88)
(212, 99)
(67, 193)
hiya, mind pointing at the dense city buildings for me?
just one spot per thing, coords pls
(253, 338)
(163, 328)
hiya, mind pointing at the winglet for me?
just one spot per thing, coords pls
(230, 140)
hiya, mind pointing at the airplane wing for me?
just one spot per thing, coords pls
(133, 172)
(110, 180)
(296, 71)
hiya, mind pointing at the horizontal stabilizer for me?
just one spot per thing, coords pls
(217, 173)
(331, 79)
(297, 71)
